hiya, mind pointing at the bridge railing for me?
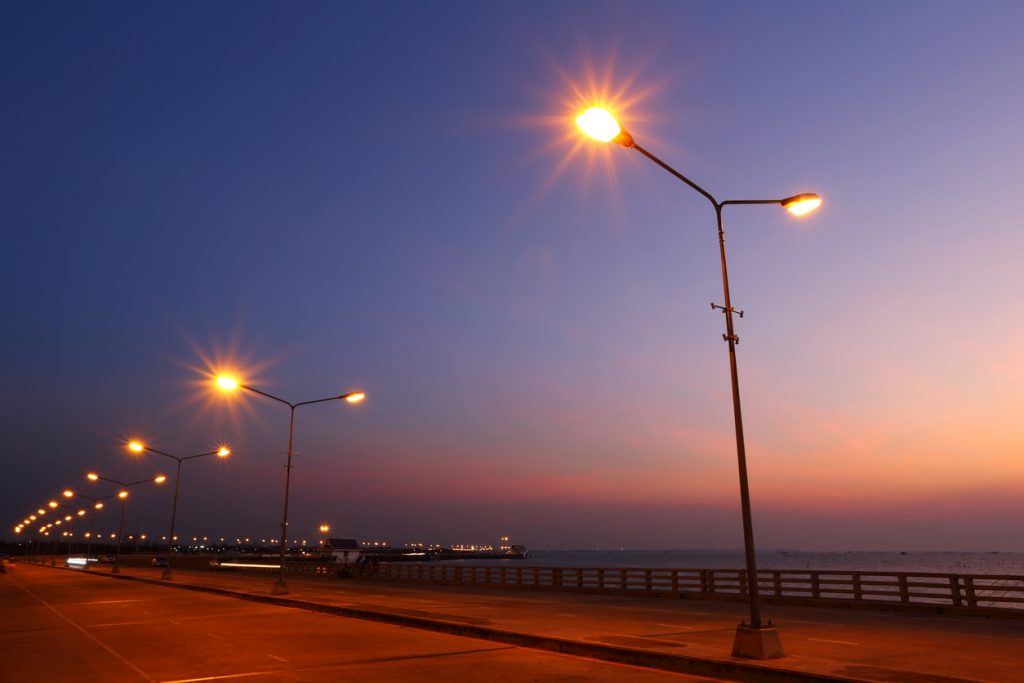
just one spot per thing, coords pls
(977, 591)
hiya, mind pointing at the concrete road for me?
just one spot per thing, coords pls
(853, 644)
(58, 625)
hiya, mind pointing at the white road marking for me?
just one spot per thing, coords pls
(837, 642)
(214, 678)
(675, 625)
(280, 659)
(88, 635)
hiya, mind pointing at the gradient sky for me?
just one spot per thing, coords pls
(392, 196)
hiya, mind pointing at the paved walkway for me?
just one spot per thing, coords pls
(689, 636)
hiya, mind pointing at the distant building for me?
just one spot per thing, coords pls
(342, 550)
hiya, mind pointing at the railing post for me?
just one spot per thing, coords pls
(742, 578)
(556, 578)
(815, 585)
(647, 579)
(904, 589)
(675, 580)
(777, 582)
(623, 579)
(600, 578)
(972, 598)
(954, 589)
(858, 590)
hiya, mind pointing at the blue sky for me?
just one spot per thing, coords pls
(393, 197)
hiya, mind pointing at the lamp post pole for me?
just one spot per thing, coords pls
(123, 495)
(281, 586)
(137, 447)
(755, 640)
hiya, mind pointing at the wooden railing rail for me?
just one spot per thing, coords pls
(894, 588)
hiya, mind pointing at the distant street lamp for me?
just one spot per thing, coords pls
(230, 384)
(123, 495)
(755, 640)
(138, 447)
(97, 504)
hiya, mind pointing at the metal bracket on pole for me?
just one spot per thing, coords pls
(715, 306)
(735, 338)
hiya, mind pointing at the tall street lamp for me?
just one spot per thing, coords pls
(756, 640)
(123, 495)
(230, 384)
(97, 504)
(138, 447)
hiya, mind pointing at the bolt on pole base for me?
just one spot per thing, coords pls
(757, 642)
(280, 588)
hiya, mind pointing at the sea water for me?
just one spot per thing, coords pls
(1006, 563)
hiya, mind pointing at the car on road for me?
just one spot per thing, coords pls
(159, 562)
(108, 559)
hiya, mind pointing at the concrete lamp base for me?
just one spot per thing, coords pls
(279, 589)
(760, 642)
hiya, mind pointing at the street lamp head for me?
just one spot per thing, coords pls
(32, 518)
(81, 513)
(227, 383)
(599, 124)
(159, 479)
(800, 204)
(122, 494)
(98, 505)
(40, 511)
(135, 447)
(68, 493)
(52, 503)
(223, 452)
(67, 518)
(355, 396)
(92, 476)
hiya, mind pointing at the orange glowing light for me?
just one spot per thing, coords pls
(122, 494)
(52, 503)
(67, 518)
(135, 447)
(801, 204)
(92, 476)
(355, 397)
(227, 383)
(80, 513)
(223, 452)
(98, 505)
(159, 479)
(599, 124)
(68, 493)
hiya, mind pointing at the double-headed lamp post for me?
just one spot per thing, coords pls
(139, 447)
(123, 495)
(756, 640)
(97, 504)
(227, 383)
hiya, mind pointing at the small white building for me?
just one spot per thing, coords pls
(342, 550)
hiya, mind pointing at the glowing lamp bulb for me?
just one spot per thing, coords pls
(122, 494)
(68, 493)
(598, 124)
(80, 513)
(355, 397)
(800, 204)
(135, 447)
(92, 476)
(52, 503)
(227, 383)
(159, 479)
(98, 505)
(223, 452)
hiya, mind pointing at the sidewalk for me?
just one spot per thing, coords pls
(686, 636)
